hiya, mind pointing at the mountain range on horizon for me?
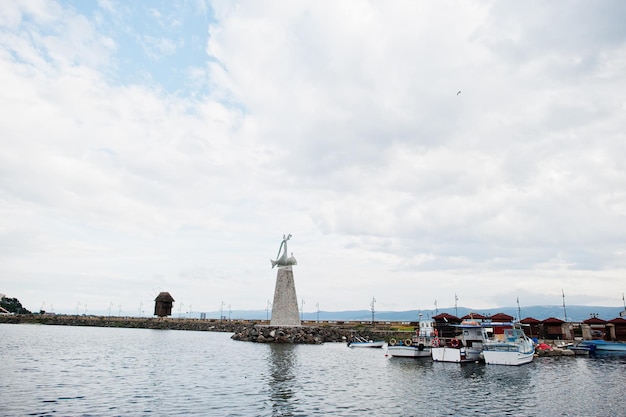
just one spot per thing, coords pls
(574, 313)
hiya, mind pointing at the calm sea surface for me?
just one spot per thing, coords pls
(85, 371)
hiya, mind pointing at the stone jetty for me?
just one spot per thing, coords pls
(243, 330)
(291, 334)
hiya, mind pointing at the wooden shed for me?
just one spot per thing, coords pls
(531, 327)
(552, 329)
(474, 316)
(502, 318)
(594, 328)
(617, 329)
(163, 304)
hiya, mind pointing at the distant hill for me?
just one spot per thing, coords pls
(574, 313)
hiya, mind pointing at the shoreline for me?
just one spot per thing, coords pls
(250, 331)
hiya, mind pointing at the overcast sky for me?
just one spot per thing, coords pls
(414, 149)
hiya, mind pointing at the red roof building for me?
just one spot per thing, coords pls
(532, 326)
(617, 329)
(502, 318)
(594, 328)
(552, 328)
(474, 316)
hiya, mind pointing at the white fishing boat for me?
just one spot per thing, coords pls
(513, 348)
(418, 346)
(466, 347)
(358, 341)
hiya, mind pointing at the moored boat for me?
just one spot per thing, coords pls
(513, 348)
(603, 345)
(466, 347)
(579, 349)
(418, 346)
(358, 341)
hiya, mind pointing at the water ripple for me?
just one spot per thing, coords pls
(59, 371)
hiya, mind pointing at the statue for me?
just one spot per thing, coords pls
(284, 260)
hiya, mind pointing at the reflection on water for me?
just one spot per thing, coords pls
(282, 379)
(67, 371)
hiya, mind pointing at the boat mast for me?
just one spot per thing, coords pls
(564, 311)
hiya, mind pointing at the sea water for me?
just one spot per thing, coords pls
(87, 371)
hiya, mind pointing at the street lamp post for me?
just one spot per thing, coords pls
(318, 311)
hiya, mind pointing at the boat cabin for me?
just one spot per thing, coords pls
(444, 323)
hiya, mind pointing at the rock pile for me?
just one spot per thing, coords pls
(295, 334)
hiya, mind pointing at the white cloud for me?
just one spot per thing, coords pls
(338, 123)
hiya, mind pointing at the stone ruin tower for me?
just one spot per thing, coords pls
(285, 306)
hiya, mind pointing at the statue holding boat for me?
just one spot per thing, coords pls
(284, 260)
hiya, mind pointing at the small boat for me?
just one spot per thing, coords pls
(418, 346)
(514, 348)
(358, 341)
(603, 345)
(579, 349)
(466, 347)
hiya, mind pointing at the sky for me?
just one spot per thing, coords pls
(416, 151)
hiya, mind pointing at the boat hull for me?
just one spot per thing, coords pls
(367, 344)
(496, 357)
(602, 345)
(408, 351)
(458, 355)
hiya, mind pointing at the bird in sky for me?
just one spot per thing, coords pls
(458, 92)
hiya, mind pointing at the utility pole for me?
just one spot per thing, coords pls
(564, 311)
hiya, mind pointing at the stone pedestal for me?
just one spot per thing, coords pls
(285, 307)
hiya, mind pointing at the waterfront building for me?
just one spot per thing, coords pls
(531, 326)
(163, 304)
(617, 329)
(552, 329)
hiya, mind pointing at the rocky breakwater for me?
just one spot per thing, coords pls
(290, 334)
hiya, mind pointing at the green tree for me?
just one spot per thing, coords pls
(13, 305)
